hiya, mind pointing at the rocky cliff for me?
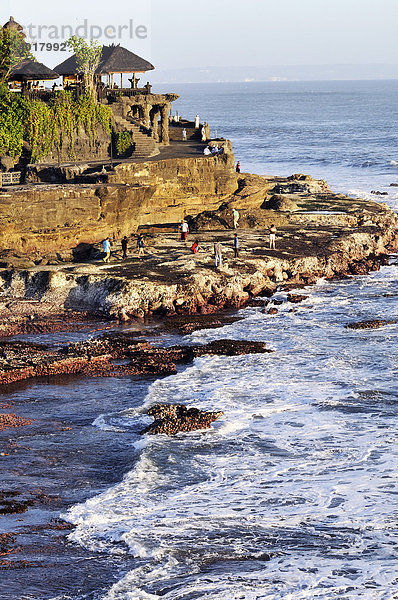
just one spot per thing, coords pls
(46, 218)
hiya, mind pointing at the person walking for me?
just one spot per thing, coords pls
(197, 122)
(124, 246)
(184, 135)
(106, 245)
(140, 245)
(235, 215)
(218, 254)
(272, 235)
(184, 230)
(237, 168)
(236, 246)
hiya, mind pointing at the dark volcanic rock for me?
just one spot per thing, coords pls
(372, 324)
(186, 324)
(230, 348)
(175, 418)
(295, 298)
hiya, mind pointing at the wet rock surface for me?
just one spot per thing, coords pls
(296, 298)
(371, 324)
(171, 419)
(186, 324)
(109, 355)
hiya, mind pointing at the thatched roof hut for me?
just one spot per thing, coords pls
(114, 59)
(30, 70)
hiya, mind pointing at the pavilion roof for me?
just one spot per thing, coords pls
(114, 59)
(14, 26)
(31, 70)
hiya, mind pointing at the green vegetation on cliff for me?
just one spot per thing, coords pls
(48, 126)
(122, 142)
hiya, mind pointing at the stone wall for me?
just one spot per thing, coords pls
(83, 148)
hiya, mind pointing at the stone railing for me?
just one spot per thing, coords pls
(12, 178)
(113, 94)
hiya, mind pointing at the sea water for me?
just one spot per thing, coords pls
(293, 493)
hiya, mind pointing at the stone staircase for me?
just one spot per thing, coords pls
(144, 144)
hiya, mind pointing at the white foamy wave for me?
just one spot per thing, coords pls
(102, 422)
(394, 163)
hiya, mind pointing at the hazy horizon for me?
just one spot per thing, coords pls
(259, 34)
(275, 73)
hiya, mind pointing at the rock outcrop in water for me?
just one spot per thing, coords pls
(176, 418)
(371, 324)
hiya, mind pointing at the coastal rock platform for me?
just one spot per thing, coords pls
(326, 235)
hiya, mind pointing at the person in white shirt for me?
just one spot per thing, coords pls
(184, 230)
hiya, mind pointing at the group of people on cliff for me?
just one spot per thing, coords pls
(195, 247)
(218, 248)
(107, 246)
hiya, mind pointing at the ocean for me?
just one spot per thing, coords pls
(293, 493)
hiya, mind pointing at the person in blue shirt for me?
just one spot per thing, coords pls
(107, 249)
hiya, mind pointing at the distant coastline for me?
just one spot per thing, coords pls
(211, 74)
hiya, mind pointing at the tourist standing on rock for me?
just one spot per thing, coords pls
(237, 168)
(107, 249)
(203, 132)
(140, 245)
(184, 135)
(218, 254)
(272, 234)
(184, 230)
(197, 122)
(235, 215)
(236, 246)
(124, 246)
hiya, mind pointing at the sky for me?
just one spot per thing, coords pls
(176, 34)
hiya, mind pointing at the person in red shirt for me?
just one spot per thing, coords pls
(195, 247)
